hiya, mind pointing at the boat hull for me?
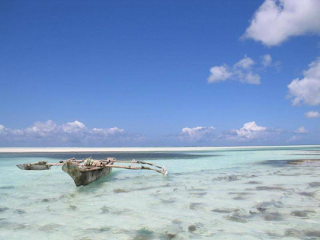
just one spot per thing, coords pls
(81, 178)
(28, 166)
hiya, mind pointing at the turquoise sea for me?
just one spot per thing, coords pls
(222, 193)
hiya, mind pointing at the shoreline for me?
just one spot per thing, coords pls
(131, 149)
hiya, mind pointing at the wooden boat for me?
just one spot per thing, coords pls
(88, 170)
(84, 175)
(34, 166)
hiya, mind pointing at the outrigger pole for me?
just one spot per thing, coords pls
(93, 165)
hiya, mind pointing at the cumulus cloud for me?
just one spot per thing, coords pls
(37, 129)
(307, 90)
(245, 63)
(75, 126)
(266, 60)
(301, 130)
(72, 133)
(251, 78)
(250, 130)
(197, 133)
(241, 71)
(113, 130)
(218, 74)
(251, 133)
(277, 20)
(310, 114)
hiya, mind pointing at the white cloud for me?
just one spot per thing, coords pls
(75, 126)
(244, 63)
(109, 131)
(312, 114)
(293, 139)
(301, 130)
(219, 73)
(72, 133)
(266, 60)
(197, 133)
(251, 78)
(250, 130)
(40, 128)
(241, 71)
(277, 20)
(252, 133)
(307, 90)
(196, 130)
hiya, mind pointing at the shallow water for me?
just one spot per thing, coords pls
(248, 193)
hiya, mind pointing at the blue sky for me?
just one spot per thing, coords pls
(139, 73)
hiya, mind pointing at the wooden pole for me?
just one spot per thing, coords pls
(138, 162)
(123, 167)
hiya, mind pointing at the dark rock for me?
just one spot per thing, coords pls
(298, 213)
(241, 193)
(236, 219)
(167, 201)
(267, 188)
(312, 233)
(48, 200)
(7, 187)
(19, 211)
(195, 206)
(72, 207)
(273, 217)
(192, 228)
(199, 193)
(222, 210)
(176, 221)
(261, 209)
(104, 209)
(143, 234)
(105, 229)
(99, 230)
(170, 235)
(3, 209)
(239, 198)
(314, 184)
(254, 182)
(273, 235)
(308, 194)
(119, 190)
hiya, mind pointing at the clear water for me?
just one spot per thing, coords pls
(211, 194)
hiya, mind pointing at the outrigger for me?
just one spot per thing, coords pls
(88, 170)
